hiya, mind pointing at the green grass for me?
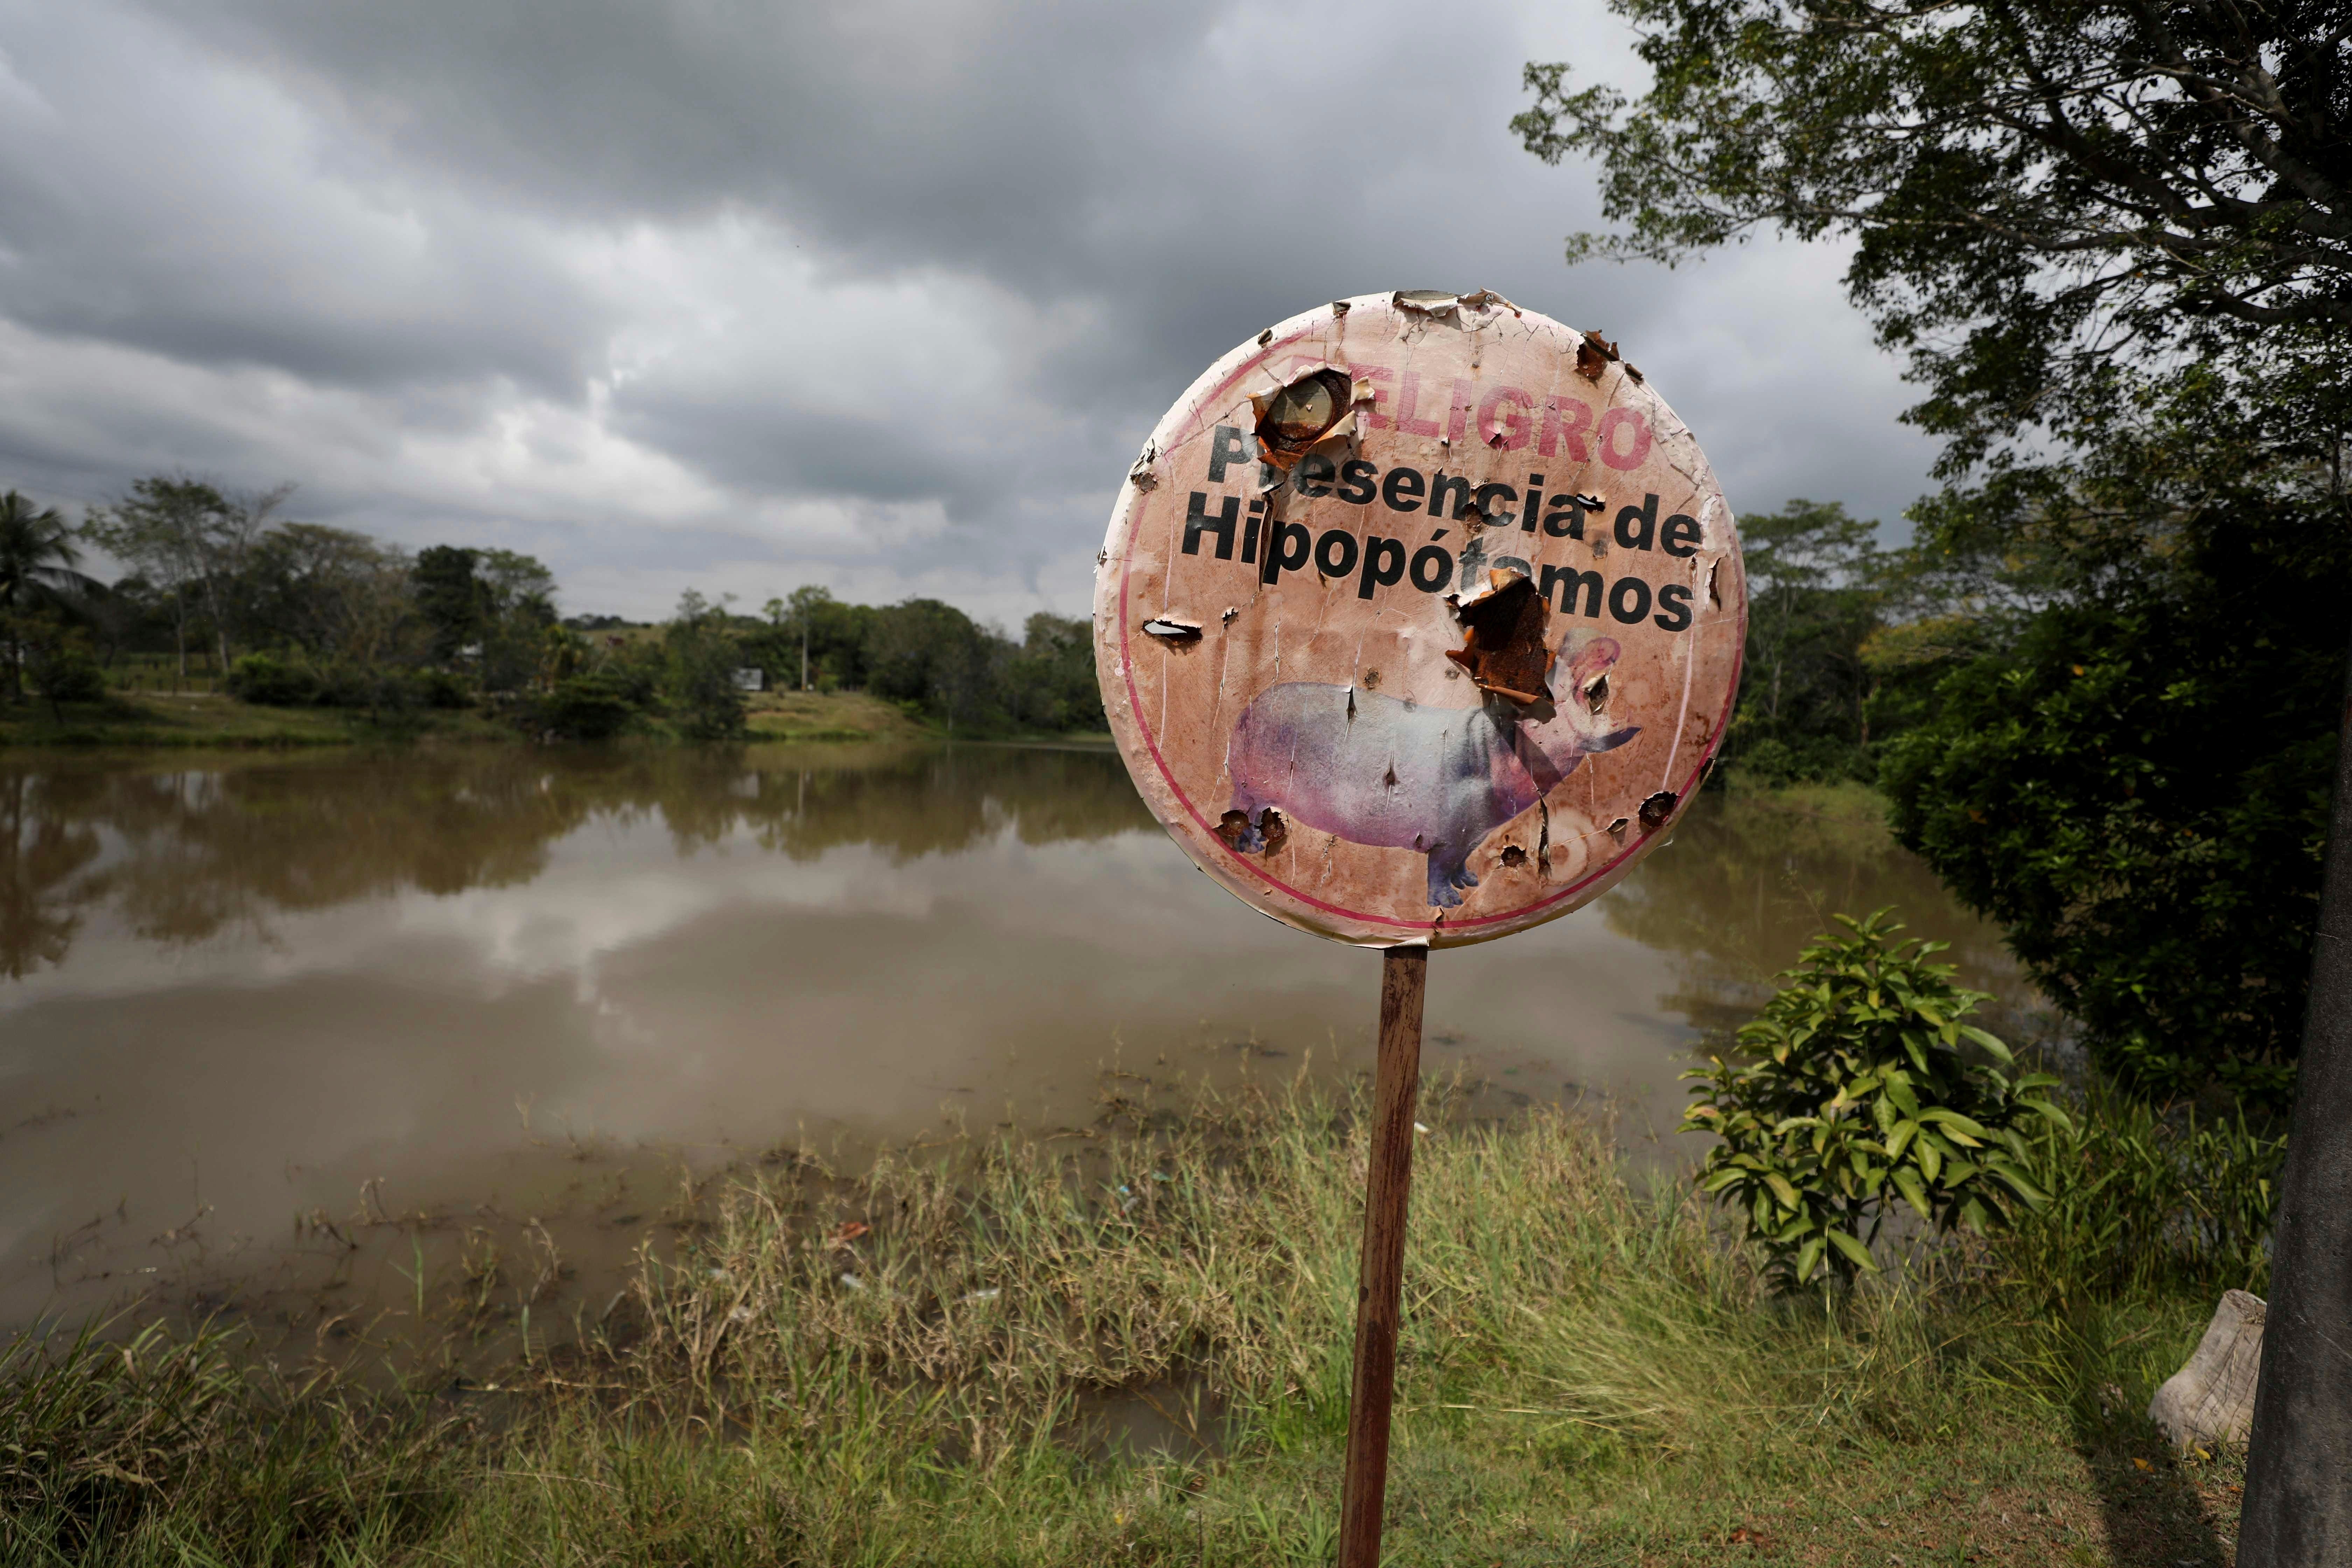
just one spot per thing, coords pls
(206, 719)
(913, 1367)
(829, 716)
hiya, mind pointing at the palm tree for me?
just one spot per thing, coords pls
(36, 566)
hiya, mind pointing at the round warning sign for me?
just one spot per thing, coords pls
(1420, 619)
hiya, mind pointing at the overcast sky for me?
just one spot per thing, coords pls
(742, 294)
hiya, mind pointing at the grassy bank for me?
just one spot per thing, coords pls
(830, 716)
(213, 719)
(1132, 1347)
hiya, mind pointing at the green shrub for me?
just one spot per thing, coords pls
(700, 658)
(66, 672)
(595, 706)
(2134, 779)
(441, 688)
(1853, 1090)
(342, 685)
(272, 682)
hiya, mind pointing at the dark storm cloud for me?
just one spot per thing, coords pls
(148, 204)
(787, 288)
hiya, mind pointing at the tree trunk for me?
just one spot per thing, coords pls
(2297, 1511)
(220, 624)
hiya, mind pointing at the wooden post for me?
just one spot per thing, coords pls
(1380, 1281)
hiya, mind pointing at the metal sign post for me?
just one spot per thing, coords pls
(1418, 622)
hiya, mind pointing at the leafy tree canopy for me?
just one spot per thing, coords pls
(2040, 195)
(2113, 239)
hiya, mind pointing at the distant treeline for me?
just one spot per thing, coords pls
(1843, 651)
(931, 654)
(296, 614)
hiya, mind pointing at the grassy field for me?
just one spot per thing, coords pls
(829, 716)
(1130, 1346)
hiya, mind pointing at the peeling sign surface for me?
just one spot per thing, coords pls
(1418, 619)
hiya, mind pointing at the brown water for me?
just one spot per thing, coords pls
(282, 1035)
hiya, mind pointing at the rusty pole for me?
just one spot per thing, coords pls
(1379, 1279)
(2297, 1511)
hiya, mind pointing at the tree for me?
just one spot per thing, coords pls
(796, 618)
(497, 604)
(1813, 600)
(338, 595)
(2132, 774)
(700, 674)
(448, 598)
(2113, 239)
(932, 654)
(517, 607)
(37, 571)
(2042, 196)
(1050, 681)
(185, 535)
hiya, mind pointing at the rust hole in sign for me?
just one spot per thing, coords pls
(1426, 302)
(1593, 355)
(1596, 692)
(1513, 856)
(1296, 417)
(1503, 638)
(1267, 835)
(1272, 830)
(1656, 809)
(1171, 630)
(1617, 827)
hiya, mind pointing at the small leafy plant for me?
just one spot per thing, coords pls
(1853, 1090)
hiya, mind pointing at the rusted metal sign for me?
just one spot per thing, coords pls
(1420, 619)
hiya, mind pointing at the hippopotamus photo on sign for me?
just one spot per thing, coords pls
(1397, 775)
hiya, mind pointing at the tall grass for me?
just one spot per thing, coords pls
(2144, 1198)
(904, 1367)
(163, 1448)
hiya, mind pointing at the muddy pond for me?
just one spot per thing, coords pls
(285, 1036)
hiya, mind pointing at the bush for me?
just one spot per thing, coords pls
(360, 686)
(1855, 1092)
(698, 683)
(1776, 763)
(2161, 889)
(441, 688)
(272, 682)
(1771, 762)
(67, 673)
(591, 707)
